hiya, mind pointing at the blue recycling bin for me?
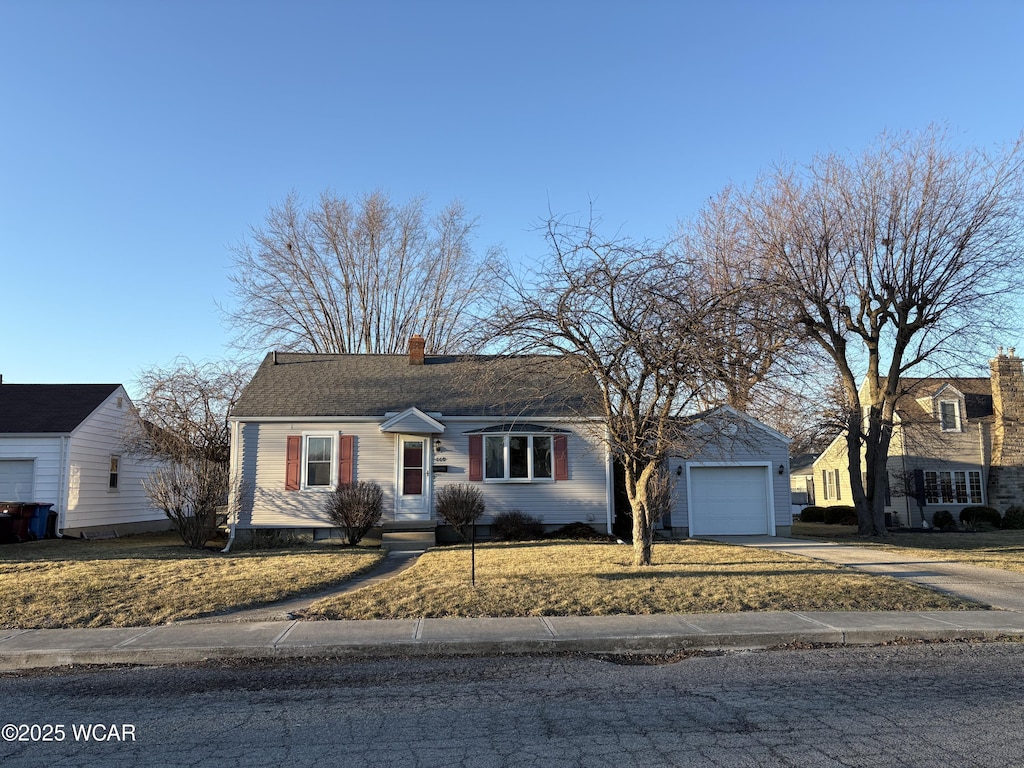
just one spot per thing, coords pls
(37, 525)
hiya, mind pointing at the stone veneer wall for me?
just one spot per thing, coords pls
(1006, 474)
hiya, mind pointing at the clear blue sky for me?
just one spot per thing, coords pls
(139, 140)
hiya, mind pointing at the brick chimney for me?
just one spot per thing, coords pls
(417, 346)
(1006, 475)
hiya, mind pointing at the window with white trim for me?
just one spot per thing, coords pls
(830, 483)
(115, 473)
(949, 415)
(952, 487)
(518, 458)
(318, 467)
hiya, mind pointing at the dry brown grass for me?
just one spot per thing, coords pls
(582, 579)
(153, 579)
(992, 549)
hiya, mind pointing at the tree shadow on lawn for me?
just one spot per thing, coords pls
(656, 573)
(160, 546)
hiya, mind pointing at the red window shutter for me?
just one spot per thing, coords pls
(561, 457)
(293, 463)
(476, 457)
(346, 456)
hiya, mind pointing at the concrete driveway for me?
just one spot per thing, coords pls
(990, 586)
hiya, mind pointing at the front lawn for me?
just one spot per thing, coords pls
(153, 579)
(992, 549)
(586, 579)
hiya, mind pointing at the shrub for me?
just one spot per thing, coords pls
(943, 520)
(1014, 518)
(579, 532)
(840, 516)
(976, 516)
(460, 506)
(516, 525)
(812, 515)
(356, 508)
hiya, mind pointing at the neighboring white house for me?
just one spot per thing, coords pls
(526, 430)
(60, 444)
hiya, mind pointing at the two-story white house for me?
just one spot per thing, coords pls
(956, 442)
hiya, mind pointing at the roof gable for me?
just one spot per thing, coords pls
(49, 408)
(299, 385)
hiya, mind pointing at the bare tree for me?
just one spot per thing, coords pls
(755, 338)
(635, 319)
(361, 276)
(183, 420)
(898, 259)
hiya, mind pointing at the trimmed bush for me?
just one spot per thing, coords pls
(943, 520)
(356, 508)
(460, 506)
(516, 525)
(1014, 518)
(812, 515)
(840, 516)
(972, 517)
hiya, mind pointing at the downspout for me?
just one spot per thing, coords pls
(985, 464)
(62, 491)
(609, 484)
(234, 491)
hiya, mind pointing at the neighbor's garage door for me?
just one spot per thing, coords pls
(728, 501)
(16, 480)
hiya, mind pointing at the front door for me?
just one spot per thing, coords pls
(413, 497)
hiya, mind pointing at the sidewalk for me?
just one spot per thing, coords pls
(232, 636)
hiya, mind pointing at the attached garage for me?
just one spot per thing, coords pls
(17, 477)
(730, 500)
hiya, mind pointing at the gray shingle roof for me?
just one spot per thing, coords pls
(977, 396)
(299, 385)
(48, 408)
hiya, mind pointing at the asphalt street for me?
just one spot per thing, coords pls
(942, 704)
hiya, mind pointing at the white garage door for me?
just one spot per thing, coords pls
(16, 480)
(728, 501)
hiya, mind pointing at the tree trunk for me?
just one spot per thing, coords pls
(643, 525)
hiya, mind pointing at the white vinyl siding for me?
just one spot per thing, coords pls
(261, 453)
(90, 500)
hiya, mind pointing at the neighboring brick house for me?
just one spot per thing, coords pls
(956, 442)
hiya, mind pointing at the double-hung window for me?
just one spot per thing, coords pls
(318, 460)
(318, 468)
(515, 457)
(949, 415)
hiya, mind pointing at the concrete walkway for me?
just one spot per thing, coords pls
(271, 634)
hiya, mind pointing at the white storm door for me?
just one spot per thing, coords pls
(413, 496)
